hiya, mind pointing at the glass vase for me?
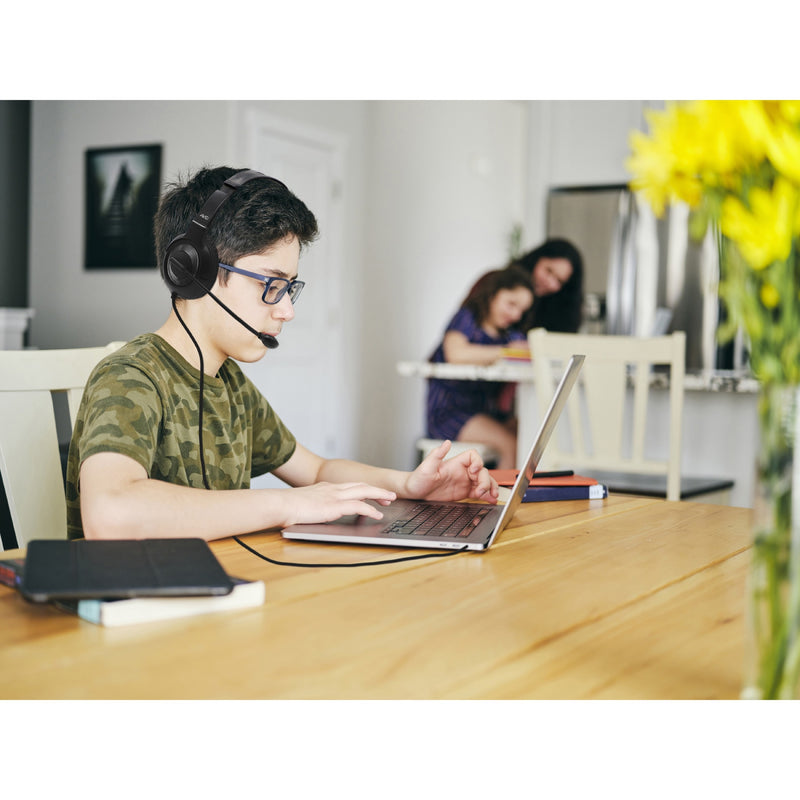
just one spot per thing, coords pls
(773, 629)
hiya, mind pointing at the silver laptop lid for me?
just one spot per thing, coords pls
(539, 443)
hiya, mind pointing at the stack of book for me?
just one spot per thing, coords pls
(565, 485)
(518, 353)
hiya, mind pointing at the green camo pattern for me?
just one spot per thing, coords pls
(142, 402)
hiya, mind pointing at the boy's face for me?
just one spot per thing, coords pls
(242, 295)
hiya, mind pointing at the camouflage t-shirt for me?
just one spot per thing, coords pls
(142, 402)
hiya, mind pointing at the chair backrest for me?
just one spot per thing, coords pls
(606, 426)
(30, 459)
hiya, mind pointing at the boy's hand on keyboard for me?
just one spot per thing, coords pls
(462, 477)
(323, 502)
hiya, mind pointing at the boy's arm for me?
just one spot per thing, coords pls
(119, 501)
(459, 478)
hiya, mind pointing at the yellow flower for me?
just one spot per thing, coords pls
(768, 129)
(651, 166)
(770, 296)
(737, 162)
(663, 165)
(790, 110)
(783, 149)
(762, 232)
(723, 139)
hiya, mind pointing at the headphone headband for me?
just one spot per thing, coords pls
(190, 262)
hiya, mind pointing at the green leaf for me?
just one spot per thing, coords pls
(698, 223)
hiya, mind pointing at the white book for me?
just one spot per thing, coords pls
(128, 611)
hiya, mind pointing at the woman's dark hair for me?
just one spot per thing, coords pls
(488, 285)
(563, 310)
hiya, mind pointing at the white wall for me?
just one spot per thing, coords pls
(446, 184)
(576, 143)
(589, 140)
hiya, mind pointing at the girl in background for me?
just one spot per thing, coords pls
(487, 322)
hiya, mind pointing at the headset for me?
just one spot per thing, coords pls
(191, 263)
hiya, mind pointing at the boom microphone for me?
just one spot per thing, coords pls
(267, 339)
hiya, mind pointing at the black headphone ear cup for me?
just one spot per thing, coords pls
(190, 266)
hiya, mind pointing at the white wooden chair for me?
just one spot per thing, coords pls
(607, 431)
(30, 460)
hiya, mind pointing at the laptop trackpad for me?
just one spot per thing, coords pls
(358, 520)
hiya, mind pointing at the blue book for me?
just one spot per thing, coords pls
(536, 494)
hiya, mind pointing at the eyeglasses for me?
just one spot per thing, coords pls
(274, 288)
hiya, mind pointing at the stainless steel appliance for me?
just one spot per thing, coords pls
(643, 275)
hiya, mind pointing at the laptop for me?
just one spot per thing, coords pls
(432, 524)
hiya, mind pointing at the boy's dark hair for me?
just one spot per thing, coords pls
(484, 290)
(257, 215)
(562, 311)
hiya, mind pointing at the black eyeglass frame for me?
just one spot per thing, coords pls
(284, 284)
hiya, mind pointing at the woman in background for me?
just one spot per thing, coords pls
(486, 323)
(556, 270)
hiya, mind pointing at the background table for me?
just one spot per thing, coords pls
(620, 598)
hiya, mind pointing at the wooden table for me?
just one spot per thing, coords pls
(621, 598)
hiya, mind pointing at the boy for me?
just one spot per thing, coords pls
(146, 449)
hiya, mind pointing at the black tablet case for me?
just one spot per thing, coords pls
(59, 569)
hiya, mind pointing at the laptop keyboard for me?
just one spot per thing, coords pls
(455, 520)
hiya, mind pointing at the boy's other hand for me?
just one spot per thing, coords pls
(459, 478)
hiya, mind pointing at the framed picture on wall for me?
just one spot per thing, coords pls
(122, 188)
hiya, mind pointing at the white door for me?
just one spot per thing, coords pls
(302, 378)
